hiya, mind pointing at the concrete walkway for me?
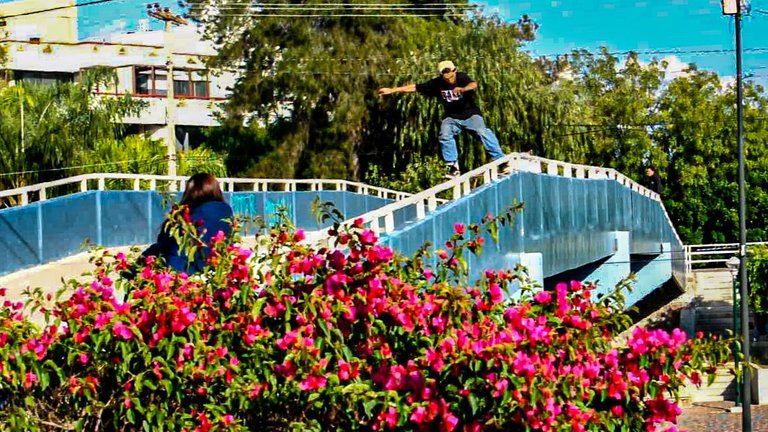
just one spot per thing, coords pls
(714, 416)
(49, 276)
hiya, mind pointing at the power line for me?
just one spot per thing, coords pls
(340, 15)
(345, 7)
(54, 9)
(251, 4)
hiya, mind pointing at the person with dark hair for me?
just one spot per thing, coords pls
(208, 212)
(653, 181)
(456, 91)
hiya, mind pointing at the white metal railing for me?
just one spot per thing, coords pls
(712, 254)
(40, 192)
(382, 220)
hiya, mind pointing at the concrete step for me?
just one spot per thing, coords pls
(722, 389)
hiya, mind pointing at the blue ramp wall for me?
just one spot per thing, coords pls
(45, 231)
(571, 222)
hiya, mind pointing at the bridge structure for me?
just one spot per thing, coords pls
(578, 222)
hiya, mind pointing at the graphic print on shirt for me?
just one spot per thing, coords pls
(449, 96)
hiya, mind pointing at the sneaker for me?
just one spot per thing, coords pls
(452, 171)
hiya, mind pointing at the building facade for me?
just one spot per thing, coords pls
(44, 48)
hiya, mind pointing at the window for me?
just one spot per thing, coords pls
(161, 82)
(200, 84)
(42, 78)
(144, 80)
(181, 84)
(153, 81)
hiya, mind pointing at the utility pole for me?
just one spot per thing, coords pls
(169, 18)
(735, 8)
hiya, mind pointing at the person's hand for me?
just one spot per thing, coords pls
(386, 91)
(458, 91)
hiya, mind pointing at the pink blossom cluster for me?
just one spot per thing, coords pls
(350, 338)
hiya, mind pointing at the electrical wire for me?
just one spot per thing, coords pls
(71, 167)
(256, 15)
(345, 7)
(38, 11)
(337, 5)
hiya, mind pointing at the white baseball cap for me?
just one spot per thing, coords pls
(445, 64)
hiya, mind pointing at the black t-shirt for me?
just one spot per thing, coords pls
(459, 107)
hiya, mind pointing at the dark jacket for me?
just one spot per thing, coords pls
(653, 183)
(210, 218)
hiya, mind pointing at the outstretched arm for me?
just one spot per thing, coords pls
(408, 88)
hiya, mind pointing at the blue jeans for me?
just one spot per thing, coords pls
(475, 124)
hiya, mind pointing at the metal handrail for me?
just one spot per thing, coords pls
(715, 249)
(382, 220)
(177, 183)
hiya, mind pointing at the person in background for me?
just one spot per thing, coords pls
(652, 179)
(456, 91)
(208, 212)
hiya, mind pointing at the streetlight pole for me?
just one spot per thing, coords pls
(735, 7)
(169, 18)
(733, 267)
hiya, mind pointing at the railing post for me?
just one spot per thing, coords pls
(389, 222)
(136, 184)
(102, 183)
(466, 187)
(84, 185)
(42, 194)
(375, 225)
(420, 212)
(24, 198)
(432, 203)
(551, 168)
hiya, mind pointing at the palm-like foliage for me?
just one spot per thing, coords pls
(47, 131)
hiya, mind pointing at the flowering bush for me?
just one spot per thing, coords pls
(356, 337)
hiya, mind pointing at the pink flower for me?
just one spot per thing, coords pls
(121, 330)
(312, 382)
(83, 358)
(367, 237)
(449, 422)
(390, 417)
(227, 419)
(419, 415)
(543, 297)
(435, 359)
(30, 379)
(458, 228)
(496, 295)
(102, 320)
(219, 237)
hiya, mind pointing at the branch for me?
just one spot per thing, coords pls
(56, 425)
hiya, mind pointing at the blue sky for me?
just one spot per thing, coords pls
(643, 25)
(621, 25)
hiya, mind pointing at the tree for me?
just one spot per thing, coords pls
(310, 81)
(699, 140)
(50, 132)
(46, 130)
